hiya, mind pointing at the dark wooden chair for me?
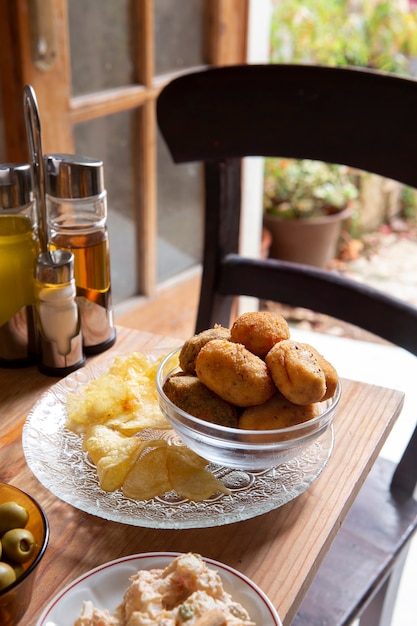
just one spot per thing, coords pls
(357, 117)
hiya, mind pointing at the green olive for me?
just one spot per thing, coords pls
(7, 575)
(12, 515)
(18, 545)
(17, 568)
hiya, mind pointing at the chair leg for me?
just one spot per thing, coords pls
(381, 608)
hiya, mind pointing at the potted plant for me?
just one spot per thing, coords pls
(370, 33)
(305, 203)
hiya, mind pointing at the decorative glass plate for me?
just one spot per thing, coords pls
(106, 584)
(55, 456)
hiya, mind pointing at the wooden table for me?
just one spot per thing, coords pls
(280, 550)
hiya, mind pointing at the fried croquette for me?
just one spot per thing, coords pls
(258, 331)
(278, 412)
(296, 372)
(192, 346)
(234, 373)
(330, 372)
(191, 395)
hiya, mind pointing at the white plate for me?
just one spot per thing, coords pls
(55, 456)
(105, 586)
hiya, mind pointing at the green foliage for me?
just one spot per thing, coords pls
(295, 188)
(408, 203)
(379, 35)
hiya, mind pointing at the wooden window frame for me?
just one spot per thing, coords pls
(226, 23)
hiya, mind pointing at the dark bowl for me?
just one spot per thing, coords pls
(15, 599)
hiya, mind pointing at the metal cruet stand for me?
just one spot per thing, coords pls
(58, 330)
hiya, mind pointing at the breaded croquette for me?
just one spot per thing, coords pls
(259, 331)
(191, 395)
(234, 373)
(329, 370)
(192, 346)
(296, 372)
(278, 412)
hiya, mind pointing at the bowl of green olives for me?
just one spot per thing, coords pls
(24, 534)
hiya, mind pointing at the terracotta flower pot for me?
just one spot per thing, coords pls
(312, 241)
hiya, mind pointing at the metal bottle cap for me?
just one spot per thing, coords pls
(15, 185)
(73, 176)
(55, 267)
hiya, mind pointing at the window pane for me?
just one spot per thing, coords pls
(100, 46)
(178, 34)
(180, 215)
(109, 139)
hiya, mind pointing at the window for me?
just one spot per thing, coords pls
(96, 86)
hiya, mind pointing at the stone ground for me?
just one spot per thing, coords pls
(386, 260)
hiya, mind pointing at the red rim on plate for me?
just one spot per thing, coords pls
(242, 586)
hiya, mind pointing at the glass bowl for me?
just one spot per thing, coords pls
(14, 599)
(238, 448)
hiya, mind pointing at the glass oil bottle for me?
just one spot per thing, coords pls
(76, 203)
(19, 247)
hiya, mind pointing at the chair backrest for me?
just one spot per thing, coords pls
(361, 118)
(358, 117)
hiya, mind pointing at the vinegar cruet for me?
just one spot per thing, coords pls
(76, 202)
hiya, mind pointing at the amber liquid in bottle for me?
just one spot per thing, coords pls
(91, 261)
(92, 277)
(77, 213)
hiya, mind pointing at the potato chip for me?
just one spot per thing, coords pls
(113, 454)
(113, 469)
(110, 412)
(189, 456)
(123, 398)
(136, 362)
(98, 401)
(148, 477)
(189, 479)
(133, 423)
(101, 441)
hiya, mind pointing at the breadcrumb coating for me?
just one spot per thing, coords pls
(192, 346)
(259, 331)
(296, 372)
(234, 373)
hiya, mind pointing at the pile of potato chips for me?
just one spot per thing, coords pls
(111, 413)
(124, 399)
